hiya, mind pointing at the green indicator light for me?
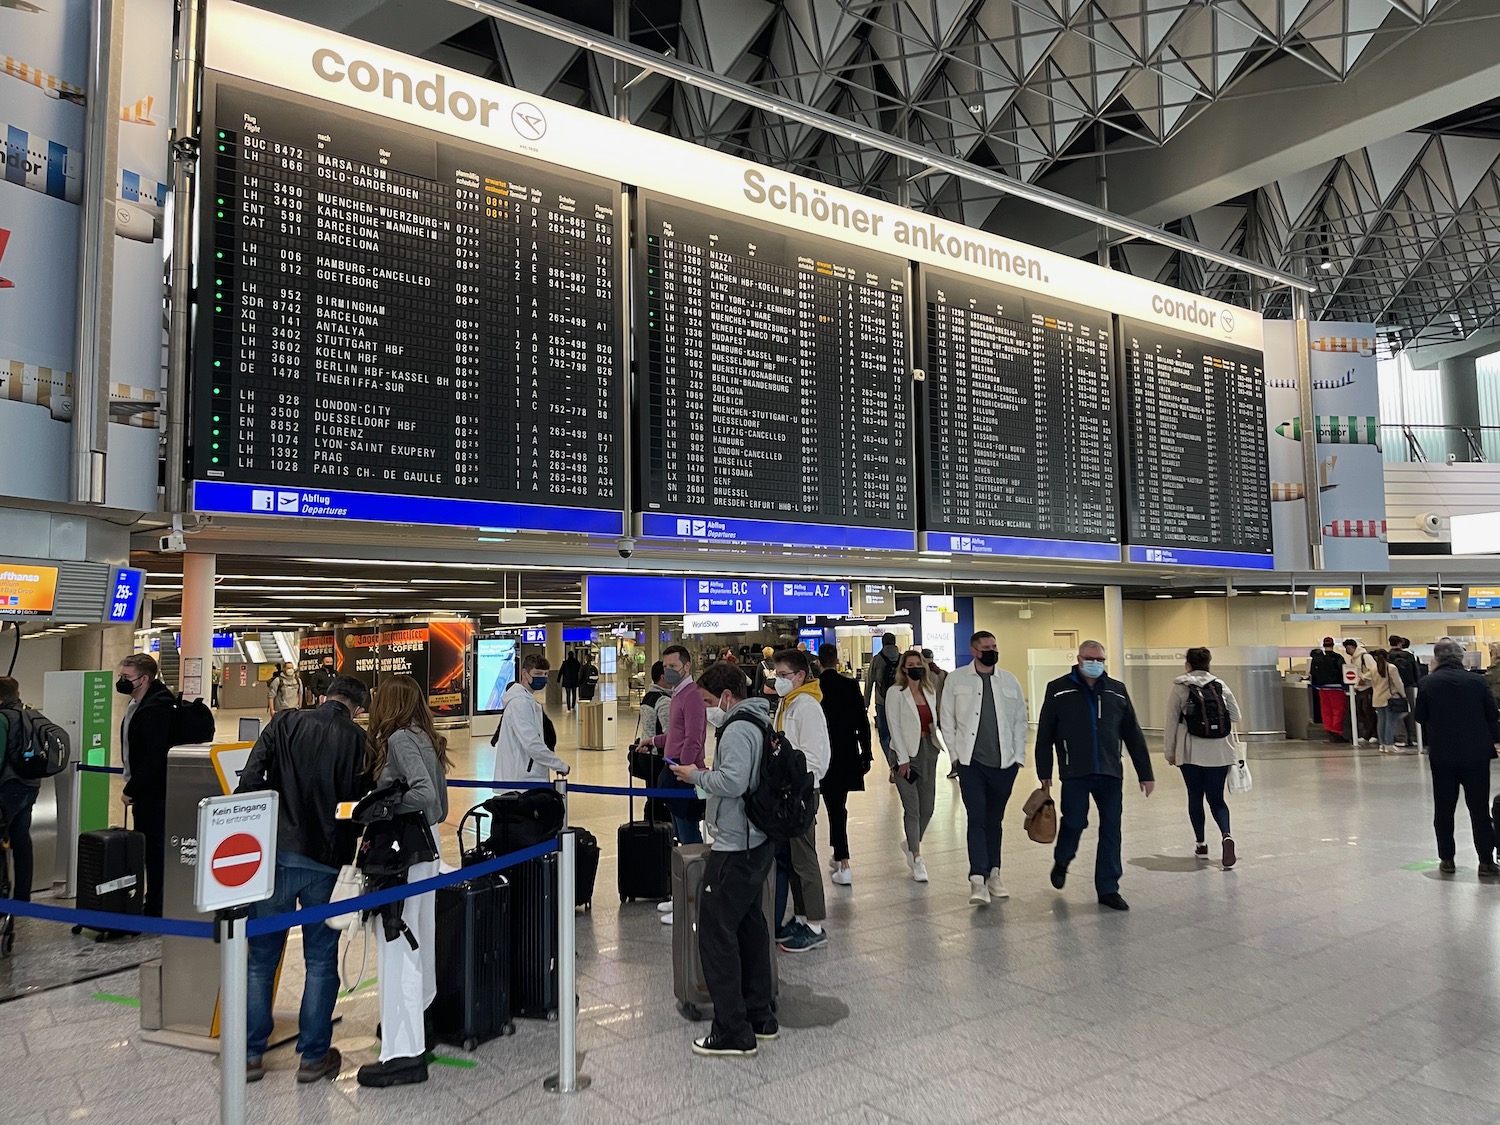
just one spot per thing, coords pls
(222, 134)
(223, 147)
(221, 214)
(216, 390)
(216, 460)
(218, 363)
(218, 308)
(220, 202)
(216, 418)
(219, 254)
(652, 292)
(218, 281)
(216, 433)
(216, 445)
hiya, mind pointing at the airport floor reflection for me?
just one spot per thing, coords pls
(1332, 976)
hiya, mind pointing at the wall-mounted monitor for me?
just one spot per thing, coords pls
(1328, 599)
(1407, 598)
(1482, 597)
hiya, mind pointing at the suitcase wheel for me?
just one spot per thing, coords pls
(470, 1043)
(78, 929)
(624, 900)
(508, 1029)
(690, 1011)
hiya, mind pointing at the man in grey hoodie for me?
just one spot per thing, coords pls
(733, 942)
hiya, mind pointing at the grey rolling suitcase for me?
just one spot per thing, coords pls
(689, 862)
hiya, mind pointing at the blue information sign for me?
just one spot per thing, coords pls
(632, 593)
(122, 603)
(579, 634)
(1014, 545)
(533, 636)
(810, 599)
(706, 529)
(728, 595)
(1188, 556)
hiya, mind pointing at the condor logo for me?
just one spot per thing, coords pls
(432, 94)
(1191, 312)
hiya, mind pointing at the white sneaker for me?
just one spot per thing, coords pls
(919, 870)
(996, 887)
(910, 863)
(979, 894)
(665, 907)
(833, 864)
(844, 876)
(666, 919)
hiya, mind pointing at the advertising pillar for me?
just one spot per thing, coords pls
(197, 649)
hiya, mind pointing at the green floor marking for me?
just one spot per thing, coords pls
(111, 998)
(462, 1064)
(1420, 865)
(357, 987)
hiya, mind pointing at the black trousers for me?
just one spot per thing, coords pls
(1206, 783)
(733, 943)
(836, 802)
(1474, 780)
(16, 801)
(150, 819)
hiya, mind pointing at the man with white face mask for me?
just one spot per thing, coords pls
(800, 718)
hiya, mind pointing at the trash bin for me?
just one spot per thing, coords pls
(591, 725)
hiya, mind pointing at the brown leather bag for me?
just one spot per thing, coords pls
(1041, 817)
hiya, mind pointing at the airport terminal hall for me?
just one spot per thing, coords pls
(776, 562)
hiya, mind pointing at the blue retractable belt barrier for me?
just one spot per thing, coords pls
(104, 920)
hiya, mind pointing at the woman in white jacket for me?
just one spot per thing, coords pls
(1204, 761)
(911, 708)
(521, 753)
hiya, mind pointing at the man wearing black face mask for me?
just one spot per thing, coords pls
(145, 738)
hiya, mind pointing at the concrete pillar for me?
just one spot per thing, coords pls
(1114, 630)
(198, 573)
(653, 642)
(1460, 402)
(555, 654)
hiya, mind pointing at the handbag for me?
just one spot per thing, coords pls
(1041, 817)
(349, 884)
(1239, 777)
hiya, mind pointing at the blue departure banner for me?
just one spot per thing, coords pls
(810, 599)
(325, 504)
(633, 593)
(658, 596)
(122, 603)
(1187, 556)
(729, 595)
(706, 529)
(1017, 546)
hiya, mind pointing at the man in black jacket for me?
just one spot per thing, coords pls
(1412, 671)
(315, 760)
(1462, 725)
(849, 754)
(145, 738)
(1085, 716)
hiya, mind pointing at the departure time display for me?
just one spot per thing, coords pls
(394, 311)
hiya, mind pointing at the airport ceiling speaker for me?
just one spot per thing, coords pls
(516, 615)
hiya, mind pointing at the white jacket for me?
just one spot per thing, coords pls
(906, 722)
(801, 720)
(963, 696)
(521, 754)
(1181, 748)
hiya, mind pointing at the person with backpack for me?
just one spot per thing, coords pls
(17, 794)
(1201, 713)
(800, 718)
(284, 689)
(567, 679)
(146, 734)
(1411, 671)
(588, 679)
(882, 676)
(656, 706)
(733, 944)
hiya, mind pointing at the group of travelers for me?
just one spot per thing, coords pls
(1385, 680)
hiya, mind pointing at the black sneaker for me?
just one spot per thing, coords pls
(1488, 870)
(765, 1032)
(714, 1046)
(1448, 867)
(1114, 901)
(255, 1070)
(394, 1072)
(326, 1067)
(1059, 875)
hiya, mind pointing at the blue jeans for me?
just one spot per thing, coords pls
(299, 882)
(1108, 793)
(685, 815)
(1390, 722)
(883, 730)
(986, 791)
(16, 799)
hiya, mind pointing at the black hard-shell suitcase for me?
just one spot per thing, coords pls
(644, 867)
(111, 873)
(533, 938)
(587, 852)
(472, 934)
(689, 862)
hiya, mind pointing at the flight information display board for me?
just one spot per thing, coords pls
(1018, 423)
(394, 311)
(1198, 486)
(775, 380)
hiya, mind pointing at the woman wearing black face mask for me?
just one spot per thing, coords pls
(912, 710)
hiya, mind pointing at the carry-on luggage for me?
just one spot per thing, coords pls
(533, 938)
(587, 852)
(111, 874)
(472, 936)
(509, 822)
(689, 862)
(645, 856)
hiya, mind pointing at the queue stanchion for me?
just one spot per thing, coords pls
(567, 1080)
(1416, 726)
(234, 963)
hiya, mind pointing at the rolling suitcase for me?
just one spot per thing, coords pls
(533, 938)
(645, 856)
(587, 852)
(472, 934)
(689, 862)
(111, 873)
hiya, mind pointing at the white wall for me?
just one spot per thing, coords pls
(39, 655)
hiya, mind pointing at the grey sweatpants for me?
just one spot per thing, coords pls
(919, 798)
(807, 875)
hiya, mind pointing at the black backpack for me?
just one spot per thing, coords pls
(37, 747)
(1206, 715)
(783, 801)
(887, 673)
(192, 721)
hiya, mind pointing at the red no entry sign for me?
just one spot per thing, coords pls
(236, 860)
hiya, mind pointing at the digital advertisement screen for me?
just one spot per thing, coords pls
(1332, 598)
(27, 591)
(494, 671)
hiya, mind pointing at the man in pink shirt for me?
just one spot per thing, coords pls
(687, 728)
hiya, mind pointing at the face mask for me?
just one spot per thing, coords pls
(716, 716)
(124, 685)
(916, 673)
(989, 659)
(538, 683)
(784, 686)
(672, 676)
(1093, 669)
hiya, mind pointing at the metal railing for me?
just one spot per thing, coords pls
(1423, 443)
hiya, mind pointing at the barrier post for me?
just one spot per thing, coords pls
(1353, 714)
(1416, 725)
(234, 949)
(567, 1080)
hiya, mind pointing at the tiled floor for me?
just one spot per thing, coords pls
(1332, 976)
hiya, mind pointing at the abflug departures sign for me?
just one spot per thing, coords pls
(390, 152)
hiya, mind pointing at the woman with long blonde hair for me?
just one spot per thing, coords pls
(405, 746)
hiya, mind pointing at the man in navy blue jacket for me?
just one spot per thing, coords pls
(1462, 725)
(1086, 716)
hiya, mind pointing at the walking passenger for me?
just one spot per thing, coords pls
(884, 672)
(404, 746)
(1388, 695)
(521, 750)
(1461, 724)
(17, 794)
(733, 944)
(800, 718)
(916, 738)
(983, 717)
(849, 756)
(1201, 712)
(284, 689)
(567, 679)
(1086, 715)
(315, 760)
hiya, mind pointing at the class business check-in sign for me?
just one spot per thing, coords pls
(236, 850)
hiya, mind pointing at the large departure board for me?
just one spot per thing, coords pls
(776, 375)
(1197, 474)
(396, 312)
(1018, 418)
